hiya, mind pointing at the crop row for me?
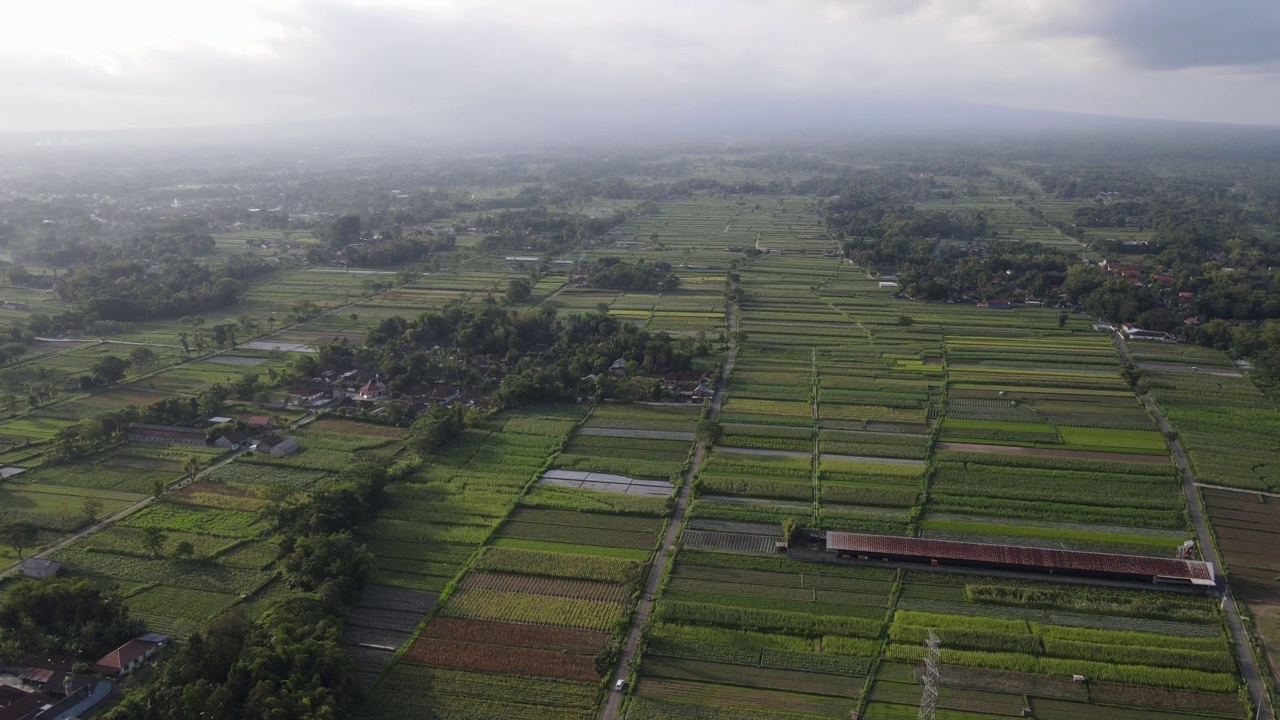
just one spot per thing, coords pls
(583, 501)
(578, 535)
(767, 620)
(538, 585)
(801, 681)
(558, 565)
(536, 609)
(1137, 674)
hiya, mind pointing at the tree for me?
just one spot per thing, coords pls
(191, 467)
(109, 370)
(19, 535)
(185, 549)
(153, 539)
(157, 488)
(709, 431)
(73, 617)
(345, 230)
(436, 429)
(90, 509)
(518, 291)
(142, 357)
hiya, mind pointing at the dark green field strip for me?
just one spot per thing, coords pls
(856, 518)
(771, 578)
(634, 464)
(782, 564)
(576, 535)
(411, 580)
(758, 419)
(1038, 463)
(744, 594)
(1032, 509)
(699, 612)
(782, 599)
(1050, 534)
(757, 677)
(714, 484)
(587, 520)
(668, 699)
(1059, 617)
(949, 698)
(1179, 678)
(1050, 709)
(867, 494)
(602, 443)
(765, 442)
(759, 657)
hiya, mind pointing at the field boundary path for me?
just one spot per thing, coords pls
(1244, 649)
(669, 538)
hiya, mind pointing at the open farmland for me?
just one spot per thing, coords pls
(541, 602)
(507, 568)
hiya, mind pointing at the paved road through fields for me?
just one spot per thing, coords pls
(1244, 650)
(669, 539)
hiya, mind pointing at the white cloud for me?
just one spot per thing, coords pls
(78, 64)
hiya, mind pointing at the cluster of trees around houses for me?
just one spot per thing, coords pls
(289, 662)
(97, 433)
(615, 274)
(160, 246)
(74, 618)
(347, 239)
(1201, 239)
(542, 230)
(543, 357)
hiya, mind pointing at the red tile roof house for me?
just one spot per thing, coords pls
(129, 656)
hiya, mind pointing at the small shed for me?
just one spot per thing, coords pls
(287, 446)
(39, 568)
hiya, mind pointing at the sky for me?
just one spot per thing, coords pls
(68, 65)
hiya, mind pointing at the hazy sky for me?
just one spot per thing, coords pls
(94, 64)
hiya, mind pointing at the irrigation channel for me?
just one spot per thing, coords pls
(673, 530)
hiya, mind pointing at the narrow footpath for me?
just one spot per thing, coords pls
(1244, 650)
(669, 539)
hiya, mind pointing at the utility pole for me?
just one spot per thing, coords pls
(932, 659)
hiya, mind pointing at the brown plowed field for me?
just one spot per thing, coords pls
(503, 659)
(534, 637)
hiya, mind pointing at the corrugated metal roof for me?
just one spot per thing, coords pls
(1195, 571)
